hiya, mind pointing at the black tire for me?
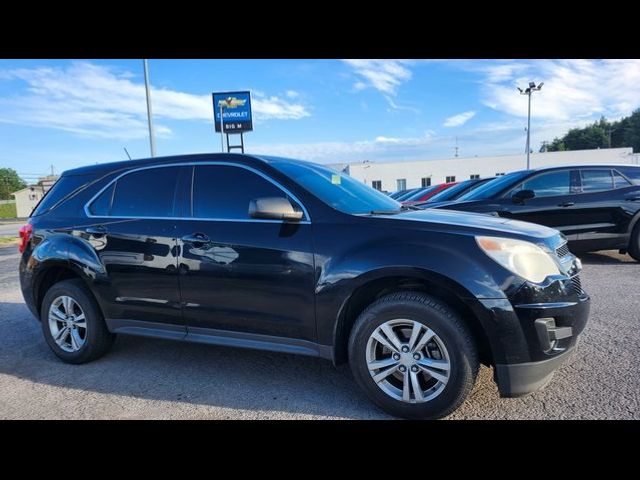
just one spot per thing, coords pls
(98, 339)
(634, 243)
(445, 322)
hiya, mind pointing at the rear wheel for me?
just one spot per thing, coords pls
(413, 356)
(634, 243)
(72, 323)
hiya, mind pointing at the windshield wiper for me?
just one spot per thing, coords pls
(383, 212)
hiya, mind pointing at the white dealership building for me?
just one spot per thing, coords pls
(391, 176)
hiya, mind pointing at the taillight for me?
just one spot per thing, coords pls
(25, 235)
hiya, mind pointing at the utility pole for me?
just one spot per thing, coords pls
(528, 91)
(611, 130)
(152, 136)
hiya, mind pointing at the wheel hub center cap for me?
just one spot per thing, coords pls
(407, 359)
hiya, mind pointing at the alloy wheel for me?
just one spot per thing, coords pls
(67, 324)
(408, 361)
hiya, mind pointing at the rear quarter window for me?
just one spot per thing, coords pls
(632, 173)
(62, 189)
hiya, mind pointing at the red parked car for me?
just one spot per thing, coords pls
(426, 193)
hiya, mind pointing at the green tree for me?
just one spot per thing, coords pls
(9, 182)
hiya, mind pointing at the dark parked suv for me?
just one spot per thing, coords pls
(284, 255)
(597, 207)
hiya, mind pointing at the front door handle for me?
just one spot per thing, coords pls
(566, 204)
(97, 230)
(196, 238)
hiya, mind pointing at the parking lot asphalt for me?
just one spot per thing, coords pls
(156, 379)
(10, 229)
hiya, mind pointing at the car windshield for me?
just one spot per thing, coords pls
(492, 188)
(338, 189)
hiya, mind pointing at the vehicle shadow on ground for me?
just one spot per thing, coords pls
(199, 375)
(606, 257)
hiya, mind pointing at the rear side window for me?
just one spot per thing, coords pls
(145, 193)
(596, 180)
(224, 192)
(65, 186)
(632, 173)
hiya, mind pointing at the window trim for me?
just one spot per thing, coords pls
(305, 220)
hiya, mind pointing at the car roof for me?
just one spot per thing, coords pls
(594, 165)
(188, 158)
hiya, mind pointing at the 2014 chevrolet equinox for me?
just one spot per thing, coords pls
(285, 255)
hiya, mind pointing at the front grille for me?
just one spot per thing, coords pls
(576, 284)
(562, 251)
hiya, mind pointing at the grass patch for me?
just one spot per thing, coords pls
(8, 210)
(9, 240)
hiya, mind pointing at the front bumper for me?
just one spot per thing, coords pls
(534, 332)
(522, 378)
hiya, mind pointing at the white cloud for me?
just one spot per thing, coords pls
(99, 101)
(459, 119)
(574, 90)
(337, 152)
(292, 94)
(383, 75)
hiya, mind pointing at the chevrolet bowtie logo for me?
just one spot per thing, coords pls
(231, 102)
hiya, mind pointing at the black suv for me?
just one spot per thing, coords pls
(285, 255)
(597, 207)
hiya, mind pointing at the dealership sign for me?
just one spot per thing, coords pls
(235, 108)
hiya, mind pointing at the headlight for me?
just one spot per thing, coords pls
(522, 258)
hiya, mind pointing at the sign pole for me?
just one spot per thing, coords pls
(221, 130)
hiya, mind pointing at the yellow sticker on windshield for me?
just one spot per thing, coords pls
(335, 179)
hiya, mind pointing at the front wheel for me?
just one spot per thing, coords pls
(634, 243)
(413, 356)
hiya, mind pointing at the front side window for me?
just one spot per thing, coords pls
(224, 192)
(596, 180)
(548, 184)
(144, 193)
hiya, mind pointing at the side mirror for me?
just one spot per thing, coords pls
(274, 208)
(523, 195)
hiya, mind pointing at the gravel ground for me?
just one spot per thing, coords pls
(155, 379)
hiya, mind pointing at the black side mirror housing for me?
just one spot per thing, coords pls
(274, 208)
(523, 195)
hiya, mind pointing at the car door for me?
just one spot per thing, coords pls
(133, 233)
(552, 205)
(239, 273)
(604, 207)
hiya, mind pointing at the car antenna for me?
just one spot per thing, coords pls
(125, 151)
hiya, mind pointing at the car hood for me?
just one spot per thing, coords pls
(472, 221)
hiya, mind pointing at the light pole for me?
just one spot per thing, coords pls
(152, 137)
(528, 91)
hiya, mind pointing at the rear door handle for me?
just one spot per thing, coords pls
(566, 204)
(196, 238)
(98, 230)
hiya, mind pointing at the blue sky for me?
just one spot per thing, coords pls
(69, 113)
